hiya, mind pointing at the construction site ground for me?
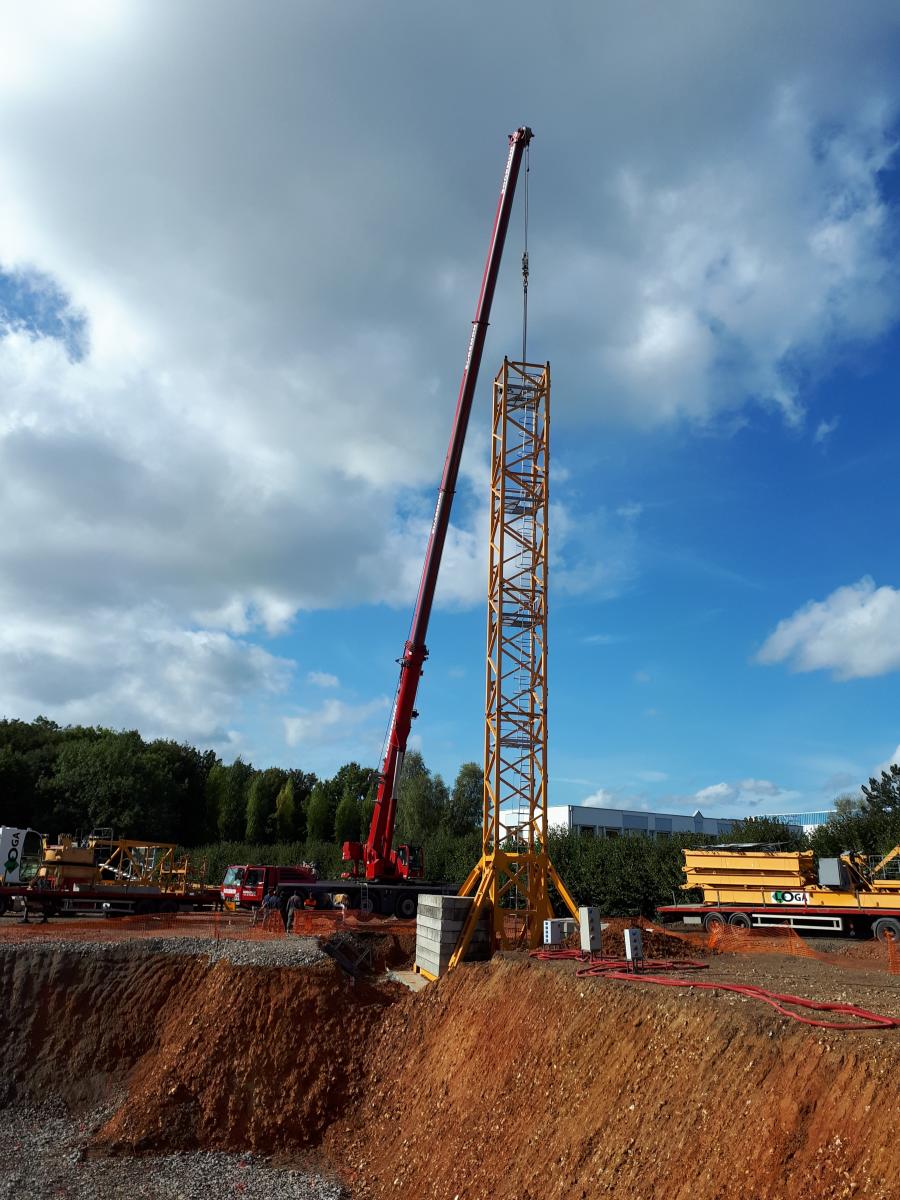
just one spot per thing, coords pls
(188, 1065)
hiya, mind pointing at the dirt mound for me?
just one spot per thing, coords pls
(518, 1080)
(657, 943)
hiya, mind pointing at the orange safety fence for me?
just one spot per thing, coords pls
(214, 927)
(861, 955)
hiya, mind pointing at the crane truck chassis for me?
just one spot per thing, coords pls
(754, 887)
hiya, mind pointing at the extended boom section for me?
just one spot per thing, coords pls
(378, 858)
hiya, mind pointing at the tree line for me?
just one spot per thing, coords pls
(73, 779)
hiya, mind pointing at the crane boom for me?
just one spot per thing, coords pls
(380, 860)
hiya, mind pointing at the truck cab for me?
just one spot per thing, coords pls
(21, 853)
(245, 886)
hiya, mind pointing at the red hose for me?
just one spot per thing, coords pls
(618, 968)
(866, 1019)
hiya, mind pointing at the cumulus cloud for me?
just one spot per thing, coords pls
(854, 633)
(232, 314)
(134, 669)
(334, 721)
(743, 793)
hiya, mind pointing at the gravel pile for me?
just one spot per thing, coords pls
(43, 1155)
(283, 952)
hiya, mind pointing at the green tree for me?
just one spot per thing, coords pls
(465, 807)
(214, 798)
(421, 801)
(320, 814)
(261, 801)
(347, 819)
(233, 812)
(286, 812)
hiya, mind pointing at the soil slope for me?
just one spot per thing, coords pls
(507, 1079)
(515, 1079)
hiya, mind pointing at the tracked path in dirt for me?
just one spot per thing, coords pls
(507, 1079)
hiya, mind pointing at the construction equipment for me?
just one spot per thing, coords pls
(513, 876)
(757, 886)
(245, 886)
(377, 860)
(99, 873)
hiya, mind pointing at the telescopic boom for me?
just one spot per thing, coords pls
(380, 860)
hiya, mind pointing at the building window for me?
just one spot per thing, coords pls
(586, 830)
(612, 833)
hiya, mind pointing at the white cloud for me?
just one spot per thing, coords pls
(135, 669)
(277, 296)
(854, 632)
(322, 679)
(824, 430)
(743, 794)
(715, 793)
(333, 722)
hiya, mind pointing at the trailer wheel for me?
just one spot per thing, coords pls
(886, 927)
(168, 906)
(4, 905)
(740, 920)
(406, 906)
(713, 920)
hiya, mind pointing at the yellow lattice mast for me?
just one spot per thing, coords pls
(512, 879)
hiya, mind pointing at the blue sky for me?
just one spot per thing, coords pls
(233, 310)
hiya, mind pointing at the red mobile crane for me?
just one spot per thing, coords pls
(381, 863)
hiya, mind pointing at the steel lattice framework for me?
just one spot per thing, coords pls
(514, 873)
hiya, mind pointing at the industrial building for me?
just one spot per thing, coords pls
(623, 822)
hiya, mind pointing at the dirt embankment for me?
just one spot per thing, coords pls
(508, 1079)
(200, 1055)
(518, 1080)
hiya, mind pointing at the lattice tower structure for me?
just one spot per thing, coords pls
(513, 875)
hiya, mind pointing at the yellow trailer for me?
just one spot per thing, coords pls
(755, 887)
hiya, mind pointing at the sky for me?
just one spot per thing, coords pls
(240, 248)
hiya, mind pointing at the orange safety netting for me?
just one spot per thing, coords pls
(866, 955)
(212, 926)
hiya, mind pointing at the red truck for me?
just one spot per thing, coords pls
(245, 886)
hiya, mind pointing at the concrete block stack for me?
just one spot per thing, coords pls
(439, 923)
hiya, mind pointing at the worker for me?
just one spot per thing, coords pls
(271, 904)
(292, 905)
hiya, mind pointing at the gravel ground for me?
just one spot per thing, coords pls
(283, 952)
(43, 1155)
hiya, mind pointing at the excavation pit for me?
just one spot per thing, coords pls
(507, 1079)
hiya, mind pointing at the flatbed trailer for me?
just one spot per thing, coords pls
(754, 886)
(104, 900)
(860, 920)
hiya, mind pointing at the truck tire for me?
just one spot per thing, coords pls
(366, 904)
(886, 926)
(740, 920)
(4, 905)
(713, 920)
(406, 906)
(168, 906)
